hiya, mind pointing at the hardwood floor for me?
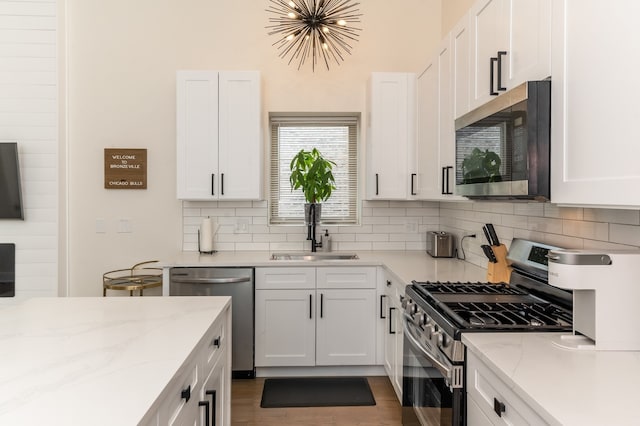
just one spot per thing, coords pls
(246, 410)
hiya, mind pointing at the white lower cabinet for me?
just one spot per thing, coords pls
(393, 336)
(201, 391)
(491, 402)
(315, 316)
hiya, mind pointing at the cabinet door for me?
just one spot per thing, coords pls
(594, 159)
(285, 328)
(428, 182)
(346, 327)
(214, 392)
(461, 68)
(393, 335)
(240, 143)
(197, 134)
(488, 36)
(390, 100)
(529, 51)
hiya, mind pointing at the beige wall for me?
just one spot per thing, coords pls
(452, 11)
(122, 58)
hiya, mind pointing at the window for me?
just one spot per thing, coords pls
(336, 137)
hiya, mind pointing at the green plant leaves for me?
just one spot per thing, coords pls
(312, 173)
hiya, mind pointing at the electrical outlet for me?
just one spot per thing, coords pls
(101, 226)
(411, 227)
(242, 226)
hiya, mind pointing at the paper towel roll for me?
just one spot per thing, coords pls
(206, 235)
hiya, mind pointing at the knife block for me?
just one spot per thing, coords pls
(499, 272)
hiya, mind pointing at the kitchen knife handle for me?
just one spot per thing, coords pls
(486, 234)
(495, 241)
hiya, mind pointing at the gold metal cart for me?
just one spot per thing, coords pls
(132, 279)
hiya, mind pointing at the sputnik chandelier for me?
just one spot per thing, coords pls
(319, 30)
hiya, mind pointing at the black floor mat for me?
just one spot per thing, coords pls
(316, 392)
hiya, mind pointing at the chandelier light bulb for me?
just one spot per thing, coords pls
(321, 25)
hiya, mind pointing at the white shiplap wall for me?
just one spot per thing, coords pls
(28, 115)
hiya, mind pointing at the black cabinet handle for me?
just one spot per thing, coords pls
(376, 184)
(216, 342)
(413, 175)
(446, 177)
(213, 406)
(388, 283)
(186, 394)
(500, 55)
(382, 296)
(391, 330)
(444, 180)
(213, 184)
(498, 407)
(310, 305)
(207, 415)
(221, 183)
(321, 304)
(491, 76)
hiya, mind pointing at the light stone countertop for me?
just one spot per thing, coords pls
(95, 361)
(564, 386)
(406, 265)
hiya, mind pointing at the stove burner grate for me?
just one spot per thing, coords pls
(539, 314)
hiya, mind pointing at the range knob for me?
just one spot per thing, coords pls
(413, 309)
(422, 319)
(439, 338)
(404, 302)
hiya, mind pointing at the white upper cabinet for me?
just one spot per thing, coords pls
(436, 133)
(427, 147)
(461, 66)
(219, 146)
(390, 136)
(510, 44)
(594, 153)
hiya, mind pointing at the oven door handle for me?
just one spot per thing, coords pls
(447, 372)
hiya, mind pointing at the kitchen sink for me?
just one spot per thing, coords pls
(314, 256)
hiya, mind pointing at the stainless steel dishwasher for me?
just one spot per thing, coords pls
(234, 282)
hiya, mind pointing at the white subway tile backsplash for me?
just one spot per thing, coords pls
(389, 246)
(348, 246)
(376, 220)
(625, 217)
(624, 234)
(386, 225)
(590, 230)
(544, 224)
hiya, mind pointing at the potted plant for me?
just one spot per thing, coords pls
(312, 173)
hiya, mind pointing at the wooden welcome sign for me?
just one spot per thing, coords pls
(125, 168)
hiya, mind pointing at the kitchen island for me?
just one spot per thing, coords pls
(561, 386)
(111, 361)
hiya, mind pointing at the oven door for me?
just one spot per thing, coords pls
(427, 397)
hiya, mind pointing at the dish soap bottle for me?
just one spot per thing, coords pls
(326, 241)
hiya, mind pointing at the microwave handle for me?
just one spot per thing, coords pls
(491, 76)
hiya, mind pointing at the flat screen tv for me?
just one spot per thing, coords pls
(10, 188)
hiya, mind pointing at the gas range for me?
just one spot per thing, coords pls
(436, 314)
(442, 311)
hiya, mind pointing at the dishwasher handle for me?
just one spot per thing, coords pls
(210, 280)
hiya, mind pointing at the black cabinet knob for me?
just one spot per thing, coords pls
(186, 393)
(498, 407)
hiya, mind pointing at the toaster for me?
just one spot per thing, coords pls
(440, 244)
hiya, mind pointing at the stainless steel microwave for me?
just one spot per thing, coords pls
(503, 147)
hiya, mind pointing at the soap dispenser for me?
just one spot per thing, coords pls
(326, 241)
